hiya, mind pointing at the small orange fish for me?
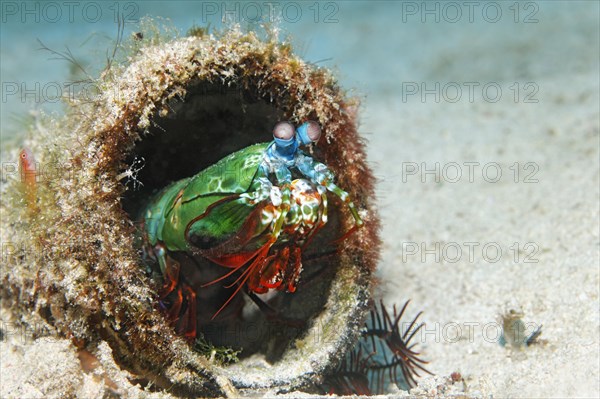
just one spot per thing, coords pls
(28, 173)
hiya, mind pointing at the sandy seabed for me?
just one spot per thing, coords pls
(463, 293)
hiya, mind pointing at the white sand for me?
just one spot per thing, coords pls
(559, 215)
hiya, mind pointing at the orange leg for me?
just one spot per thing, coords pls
(253, 268)
(175, 308)
(187, 325)
(294, 269)
(270, 273)
(171, 278)
(181, 294)
(169, 268)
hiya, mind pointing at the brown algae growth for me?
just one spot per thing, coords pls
(178, 106)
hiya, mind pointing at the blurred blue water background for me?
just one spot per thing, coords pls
(374, 47)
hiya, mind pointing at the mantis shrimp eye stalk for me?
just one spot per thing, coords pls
(309, 132)
(287, 141)
(286, 144)
(283, 131)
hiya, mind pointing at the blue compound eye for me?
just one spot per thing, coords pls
(285, 140)
(283, 131)
(309, 132)
(313, 131)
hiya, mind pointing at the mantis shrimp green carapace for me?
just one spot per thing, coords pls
(253, 213)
